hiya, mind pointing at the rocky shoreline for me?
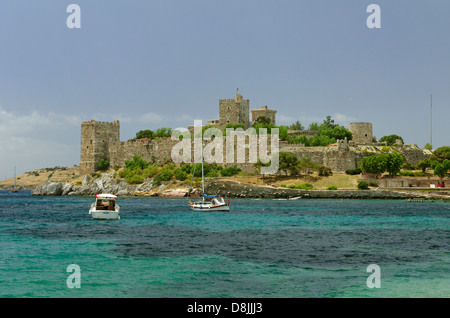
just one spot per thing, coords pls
(225, 188)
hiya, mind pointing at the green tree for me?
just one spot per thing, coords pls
(314, 126)
(328, 123)
(440, 154)
(283, 132)
(268, 126)
(288, 162)
(440, 168)
(428, 146)
(390, 140)
(375, 164)
(296, 126)
(144, 134)
(337, 132)
(163, 132)
(306, 164)
(394, 162)
(423, 164)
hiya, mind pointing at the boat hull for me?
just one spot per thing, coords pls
(105, 215)
(209, 208)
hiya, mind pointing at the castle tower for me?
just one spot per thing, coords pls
(96, 140)
(233, 111)
(362, 132)
(263, 111)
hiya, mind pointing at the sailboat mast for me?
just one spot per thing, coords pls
(203, 183)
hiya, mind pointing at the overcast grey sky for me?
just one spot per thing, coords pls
(164, 63)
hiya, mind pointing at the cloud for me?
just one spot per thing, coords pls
(151, 118)
(13, 124)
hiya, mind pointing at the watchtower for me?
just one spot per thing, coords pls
(96, 140)
(233, 111)
(263, 112)
(362, 132)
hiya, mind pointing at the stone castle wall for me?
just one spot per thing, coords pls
(102, 140)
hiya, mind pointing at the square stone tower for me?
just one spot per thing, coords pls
(263, 111)
(97, 138)
(362, 132)
(234, 111)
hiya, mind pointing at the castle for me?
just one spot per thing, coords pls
(101, 140)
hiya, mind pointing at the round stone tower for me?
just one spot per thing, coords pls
(362, 132)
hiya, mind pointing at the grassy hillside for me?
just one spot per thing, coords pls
(32, 179)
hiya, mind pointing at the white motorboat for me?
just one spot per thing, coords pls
(105, 207)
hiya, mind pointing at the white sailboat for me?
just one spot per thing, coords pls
(208, 202)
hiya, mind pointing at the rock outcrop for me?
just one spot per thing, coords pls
(225, 188)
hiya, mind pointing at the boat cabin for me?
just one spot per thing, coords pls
(105, 202)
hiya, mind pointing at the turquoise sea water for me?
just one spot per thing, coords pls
(261, 248)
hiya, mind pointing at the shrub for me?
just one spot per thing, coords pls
(135, 179)
(363, 185)
(212, 174)
(180, 174)
(151, 171)
(163, 175)
(407, 173)
(373, 184)
(283, 186)
(304, 186)
(407, 166)
(103, 164)
(353, 171)
(324, 171)
(230, 171)
(332, 187)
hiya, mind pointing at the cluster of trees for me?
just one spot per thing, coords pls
(137, 170)
(378, 164)
(390, 139)
(159, 133)
(392, 163)
(290, 163)
(328, 133)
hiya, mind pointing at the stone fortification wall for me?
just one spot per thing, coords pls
(102, 140)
